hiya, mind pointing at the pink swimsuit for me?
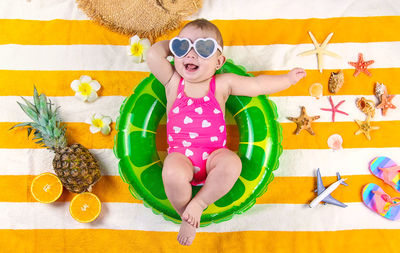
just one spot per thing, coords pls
(196, 127)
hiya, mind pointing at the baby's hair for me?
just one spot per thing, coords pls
(204, 24)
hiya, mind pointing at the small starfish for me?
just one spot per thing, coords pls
(334, 109)
(386, 103)
(319, 50)
(303, 121)
(361, 65)
(365, 127)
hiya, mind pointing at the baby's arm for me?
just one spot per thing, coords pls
(262, 84)
(157, 61)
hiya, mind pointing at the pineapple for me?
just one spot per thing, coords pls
(76, 167)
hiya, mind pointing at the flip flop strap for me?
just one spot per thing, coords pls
(388, 174)
(382, 207)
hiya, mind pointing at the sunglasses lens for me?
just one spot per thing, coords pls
(180, 47)
(205, 48)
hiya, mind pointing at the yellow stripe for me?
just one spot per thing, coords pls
(57, 83)
(57, 32)
(252, 32)
(79, 133)
(98, 240)
(282, 190)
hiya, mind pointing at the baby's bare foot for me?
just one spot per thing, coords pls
(186, 234)
(192, 213)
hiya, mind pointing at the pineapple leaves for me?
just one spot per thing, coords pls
(30, 105)
(31, 113)
(43, 106)
(21, 125)
(35, 97)
(47, 128)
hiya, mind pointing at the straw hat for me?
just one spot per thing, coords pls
(146, 18)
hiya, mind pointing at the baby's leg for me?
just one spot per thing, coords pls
(223, 169)
(177, 174)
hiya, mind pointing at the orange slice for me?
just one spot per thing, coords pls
(85, 207)
(46, 187)
(316, 90)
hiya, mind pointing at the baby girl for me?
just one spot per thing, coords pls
(196, 130)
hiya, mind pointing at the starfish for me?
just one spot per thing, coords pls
(361, 65)
(334, 109)
(319, 50)
(365, 127)
(303, 121)
(386, 103)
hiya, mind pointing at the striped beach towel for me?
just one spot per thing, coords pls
(50, 43)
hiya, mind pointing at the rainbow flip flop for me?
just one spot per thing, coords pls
(378, 201)
(386, 169)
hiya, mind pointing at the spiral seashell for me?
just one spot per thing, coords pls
(336, 81)
(366, 106)
(379, 90)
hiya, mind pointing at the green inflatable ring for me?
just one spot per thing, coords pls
(140, 165)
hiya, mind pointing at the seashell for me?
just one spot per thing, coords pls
(366, 106)
(335, 142)
(336, 81)
(316, 90)
(379, 90)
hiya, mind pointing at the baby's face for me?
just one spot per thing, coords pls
(192, 67)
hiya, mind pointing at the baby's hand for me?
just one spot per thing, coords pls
(295, 75)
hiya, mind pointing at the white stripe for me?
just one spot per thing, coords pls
(284, 57)
(253, 58)
(221, 9)
(262, 217)
(293, 163)
(74, 110)
(305, 162)
(290, 107)
(68, 57)
(36, 161)
(41, 10)
(299, 9)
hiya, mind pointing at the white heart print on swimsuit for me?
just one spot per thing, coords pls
(196, 128)
(199, 110)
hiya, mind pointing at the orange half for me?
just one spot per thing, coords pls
(85, 207)
(46, 187)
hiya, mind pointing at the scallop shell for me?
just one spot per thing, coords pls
(379, 90)
(336, 81)
(315, 90)
(366, 106)
(335, 142)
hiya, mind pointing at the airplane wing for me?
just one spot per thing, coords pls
(320, 185)
(330, 200)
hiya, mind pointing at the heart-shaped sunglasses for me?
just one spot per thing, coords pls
(204, 47)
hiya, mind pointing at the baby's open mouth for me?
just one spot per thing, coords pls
(191, 67)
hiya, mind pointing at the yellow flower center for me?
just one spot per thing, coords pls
(97, 123)
(137, 49)
(85, 89)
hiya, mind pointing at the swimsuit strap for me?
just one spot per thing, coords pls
(181, 86)
(212, 85)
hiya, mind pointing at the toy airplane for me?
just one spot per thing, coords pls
(324, 194)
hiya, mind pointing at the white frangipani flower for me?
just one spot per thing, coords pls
(85, 88)
(98, 123)
(138, 48)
